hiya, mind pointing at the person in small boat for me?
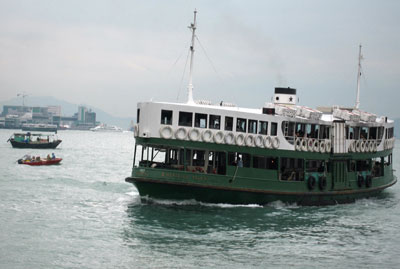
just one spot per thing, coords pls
(53, 156)
(38, 158)
(48, 157)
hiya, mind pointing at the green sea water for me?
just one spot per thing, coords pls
(82, 214)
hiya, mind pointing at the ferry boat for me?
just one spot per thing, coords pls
(221, 153)
(39, 127)
(106, 128)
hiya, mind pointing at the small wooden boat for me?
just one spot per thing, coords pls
(36, 141)
(39, 161)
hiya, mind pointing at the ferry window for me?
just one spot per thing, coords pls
(166, 117)
(292, 169)
(351, 165)
(377, 170)
(373, 133)
(363, 165)
(215, 122)
(390, 132)
(138, 115)
(356, 133)
(381, 130)
(300, 129)
(241, 125)
(388, 159)
(252, 127)
(272, 163)
(312, 130)
(185, 119)
(264, 162)
(351, 132)
(263, 127)
(200, 120)
(228, 123)
(315, 166)
(324, 132)
(364, 133)
(198, 157)
(274, 128)
(239, 159)
(288, 130)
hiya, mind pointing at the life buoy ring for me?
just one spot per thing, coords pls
(267, 142)
(297, 144)
(229, 138)
(322, 148)
(360, 181)
(362, 146)
(249, 140)
(180, 133)
(310, 145)
(371, 146)
(358, 146)
(194, 134)
(304, 144)
(328, 146)
(219, 137)
(316, 146)
(311, 182)
(239, 139)
(368, 181)
(166, 132)
(322, 183)
(207, 135)
(275, 142)
(259, 141)
(352, 146)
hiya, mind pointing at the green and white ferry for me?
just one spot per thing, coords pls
(221, 153)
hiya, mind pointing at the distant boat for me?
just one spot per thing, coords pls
(38, 127)
(39, 161)
(106, 128)
(36, 141)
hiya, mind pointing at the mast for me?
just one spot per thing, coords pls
(190, 86)
(360, 57)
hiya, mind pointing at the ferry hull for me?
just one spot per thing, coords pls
(50, 145)
(212, 194)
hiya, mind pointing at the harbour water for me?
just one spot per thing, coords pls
(82, 214)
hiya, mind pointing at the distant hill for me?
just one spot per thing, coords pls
(68, 109)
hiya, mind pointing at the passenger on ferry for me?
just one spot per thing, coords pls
(53, 156)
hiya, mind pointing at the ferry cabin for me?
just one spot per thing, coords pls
(223, 146)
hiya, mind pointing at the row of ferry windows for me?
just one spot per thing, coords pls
(214, 122)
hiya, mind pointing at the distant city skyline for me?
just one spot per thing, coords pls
(113, 54)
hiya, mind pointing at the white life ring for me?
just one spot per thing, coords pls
(180, 133)
(358, 145)
(310, 145)
(194, 134)
(297, 144)
(249, 140)
(362, 146)
(275, 142)
(219, 137)
(322, 148)
(371, 146)
(267, 142)
(136, 130)
(166, 132)
(352, 146)
(207, 135)
(328, 146)
(375, 146)
(239, 139)
(229, 138)
(259, 141)
(316, 146)
(304, 144)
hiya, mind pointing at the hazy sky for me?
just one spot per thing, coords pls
(113, 54)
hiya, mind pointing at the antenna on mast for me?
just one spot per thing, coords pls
(190, 86)
(360, 57)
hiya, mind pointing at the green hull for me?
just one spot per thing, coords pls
(186, 191)
(251, 185)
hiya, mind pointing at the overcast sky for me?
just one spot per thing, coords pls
(113, 54)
